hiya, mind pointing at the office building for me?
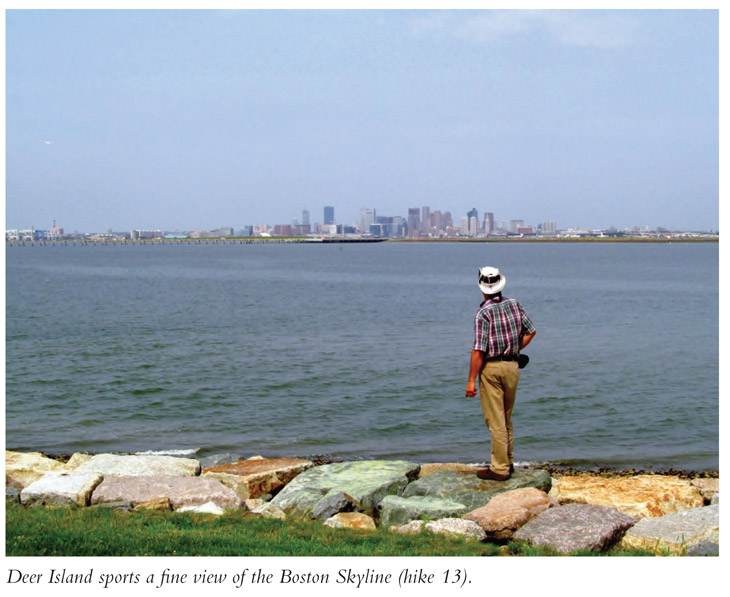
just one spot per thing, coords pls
(514, 225)
(488, 223)
(329, 215)
(473, 213)
(548, 228)
(425, 219)
(414, 221)
(367, 217)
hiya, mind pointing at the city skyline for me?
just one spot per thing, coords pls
(420, 222)
(589, 118)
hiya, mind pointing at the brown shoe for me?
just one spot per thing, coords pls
(488, 473)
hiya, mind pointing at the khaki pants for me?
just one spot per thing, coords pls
(497, 392)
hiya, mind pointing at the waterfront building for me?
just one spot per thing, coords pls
(488, 223)
(367, 217)
(414, 221)
(425, 219)
(514, 225)
(145, 234)
(305, 217)
(302, 229)
(473, 213)
(329, 215)
(464, 228)
(548, 228)
(282, 230)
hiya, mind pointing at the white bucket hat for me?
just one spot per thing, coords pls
(490, 280)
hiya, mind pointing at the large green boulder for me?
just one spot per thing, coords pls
(366, 482)
(395, 510)
(472, 492)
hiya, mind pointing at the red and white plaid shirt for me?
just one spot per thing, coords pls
(498, 326)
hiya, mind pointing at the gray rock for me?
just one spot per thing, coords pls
(396, 511)
(122, 506)
(576, 526)
(704, 549)
(472, 492)
(715, 500)
(181, 491)
(410, 528)
(677, 533)
(219, 459)
(457, 527)
(140, 465)
(12, 495)
(333, 503)
(367, 482)
(61, 488)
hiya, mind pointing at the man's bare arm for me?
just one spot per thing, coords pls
(475, 366)
(526, 339)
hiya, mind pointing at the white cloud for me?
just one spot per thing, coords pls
(586, 28)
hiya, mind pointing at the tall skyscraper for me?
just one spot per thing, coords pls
(414, 221)
(367, 217)
(425, 218)
(305, 217)
(329, 215)
(488, 222)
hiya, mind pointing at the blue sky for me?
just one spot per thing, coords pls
(186, 120)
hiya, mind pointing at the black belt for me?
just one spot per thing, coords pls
(506, 357)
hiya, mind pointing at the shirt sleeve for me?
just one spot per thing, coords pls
(527, 326)
(481, 332)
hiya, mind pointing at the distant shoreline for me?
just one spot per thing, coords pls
(247, 240)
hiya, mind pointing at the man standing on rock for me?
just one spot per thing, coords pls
(501, 330)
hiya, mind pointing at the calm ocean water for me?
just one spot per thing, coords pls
(360, 351)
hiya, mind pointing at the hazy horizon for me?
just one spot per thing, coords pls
(193, 120)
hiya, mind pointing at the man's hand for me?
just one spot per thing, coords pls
(475, 366)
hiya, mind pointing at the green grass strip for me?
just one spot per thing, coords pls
(106, 532)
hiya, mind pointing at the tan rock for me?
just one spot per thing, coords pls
(268, 510)
(61, 488)
(252, 504)
(410, 528)
(457, 527)
(351, 520)
(121, 465)
(707, 487)
(24, 468)
(677, 533)
(435, 467)
(257, 476)
(161, 504)
(640, 496)
(77, 460)
(507, 512)
(180, 491)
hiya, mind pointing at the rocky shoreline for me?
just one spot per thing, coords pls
(672, 512)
